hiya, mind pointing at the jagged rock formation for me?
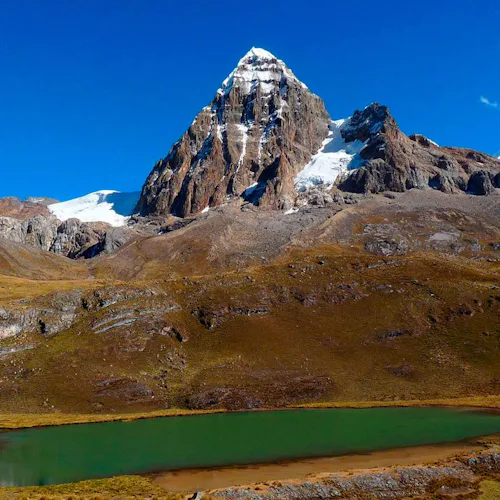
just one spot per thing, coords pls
(392, 161)
(261, 128)
(41, 200)
(71, 238)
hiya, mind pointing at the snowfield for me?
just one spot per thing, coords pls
(108, 206)
(334, 158)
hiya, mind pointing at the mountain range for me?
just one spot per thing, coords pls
(266, 138)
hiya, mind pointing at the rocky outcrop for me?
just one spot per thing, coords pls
(59, 311)
(261, 128)
(72, 238)
(455, 478)
(17, 209)
(392, 161)
(41, 200)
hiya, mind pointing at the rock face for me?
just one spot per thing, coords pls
(71, 238)
(14, 207)
(260, 130)
(392, 161)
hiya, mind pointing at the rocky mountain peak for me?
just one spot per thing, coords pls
(261, 128)
(363, 125)
(393, 161)
(258, 68)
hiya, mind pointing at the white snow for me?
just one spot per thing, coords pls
(261, 53)
(244, 139)
(108, 206)
(250, 190)
(205, 210)
(258, 68)
(333, 159)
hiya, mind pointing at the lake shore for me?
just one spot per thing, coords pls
(192, 480)
(28, 420)
(359, 469)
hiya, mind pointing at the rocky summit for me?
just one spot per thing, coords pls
(259, 131)
(392, 161)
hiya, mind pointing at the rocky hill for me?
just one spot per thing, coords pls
(267, 140)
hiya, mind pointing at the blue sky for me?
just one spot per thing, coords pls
(93, 92)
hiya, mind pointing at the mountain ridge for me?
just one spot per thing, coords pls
(217, 158)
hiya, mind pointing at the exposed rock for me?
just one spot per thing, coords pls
(74, 237)
(38, 231)
(394, 245)
(41, 200)
(261, 128)
(174, 333)
(17, 209)
(452, 479)
(56, 313)
(59, 311)
(480, 183)
(71, 238)
(395, 162)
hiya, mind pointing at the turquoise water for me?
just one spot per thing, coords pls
(51, 455)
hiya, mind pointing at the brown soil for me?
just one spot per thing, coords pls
(190, 480)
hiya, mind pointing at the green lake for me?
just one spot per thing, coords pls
(68, 453)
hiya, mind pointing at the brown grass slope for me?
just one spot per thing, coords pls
(226, 313)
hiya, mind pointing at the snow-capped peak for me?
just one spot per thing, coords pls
(108, 206)
(258, 68)
(256, 53)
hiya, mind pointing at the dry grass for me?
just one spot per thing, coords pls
(467, 402)
(122, 487)
(13, 288)
(22, 421)
(319, 318)
(490, 490)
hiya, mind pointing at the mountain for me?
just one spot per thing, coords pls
(267, 138)
(261, 128)
(79, 228)
(111, 207)
(392, 161)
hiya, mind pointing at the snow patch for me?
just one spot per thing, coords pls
(333, 159)
(244, 139)
(108, 206)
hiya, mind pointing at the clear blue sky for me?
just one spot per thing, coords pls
(93, 92)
